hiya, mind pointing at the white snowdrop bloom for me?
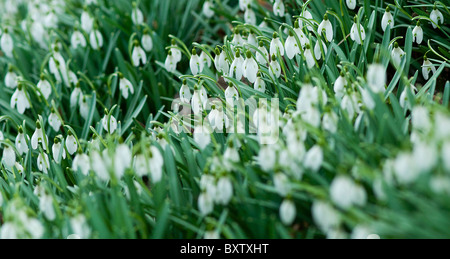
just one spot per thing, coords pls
(39, 34)
(217, 119)
(38, 137)
(21, 142)
(282, 184)
(307, 15)
(417, 33)
(9, 157)
(141, 165)
(231, 155)
(237, 40)
(318, 51)
(344, 192)
(57, 149)
(367, 99)
(252, 40)
(355, 35)
(267, 158)
(404, 168)
(262, 59)
(224, 190)
(387, 19)
(221, 62)
(19, 100)
(291, 46)
(376, 77)
(54, 121)
(44, 86)
(207, 9)
(196, 63)
(46, 206)
(325, 216)
(420, 118)
(202, 136)
(50, 21)
(276, 45)
(404, 102)
(125, 86)
(205, 59)
(425, 156)
(171, 63)
(249, 16)
(439, 184)
(109, 123)
(441, 126)
(250, 68)
(311, 115)
(138, 55)
(349, 104)
(287, 212)
(96, 39)
(43, 163)
(146, 41)
(205, 204)
(309, 56)
(397, 54)
(330, 121)
(427, 67)
(274, 68)
(99, 165)
(313, 158)
(326, 26)
(80, 226)
(185, 92)
(231, 94)
(243, 4)
(75, 96)
(259, 84)
(196, 101)
(9, 231)
(175, 51)
(122, 160)
(11, 79)
(339, 85)
(310, 96)
(208, 184)
(437, 17)
(71, 143)
(6, 43)
(84, 108)
(156, 163)
(136, 15)
(77, 39)
(87, 21)
(278, 8)
(236, 68)
(301, 36)
(351, 4)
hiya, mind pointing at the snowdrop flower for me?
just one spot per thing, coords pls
(351, 4)
(125, 86)
(276, 45)
(231, 94)
(77, 39)
(96, 39)
(437, 17)
(221, 62)
(345, 193)
(224, 190)
(357, 35)
(417, 33)
(387, 19)
(236, 68)
(38, 137)
(318, 51)
(136, 15)
(310, 62)
(100, 164)
(278, 8)
(71, 143)
(156, 163)
(301, 36)
(176, 53)
(404, 168)
(313, 158)
(185, 92)
(46, 204)
(237, 39)
(262, 59)
(249, 16)
(217, 119)
(138, 55)
(122, 160)
(287, 212)
(291, 46)
(87, 21)
(21, 142)
(207, 9)
(267, 158)
(6, 43)
(243, 4)
(11, 78)
(80, 226)
(259, 84)
(326, 26)
(19, 99)
(84, 108)
(170, 64)
(339, 85)
(195, 63)
(427, 67)
(205, 204)
(425, 156)
(404, 102)
(54, 121)
(329, 121)
(75, 96)
(57, 149)
(81, 162)
(420, 118)
(44, 86)
(202, 136)
(250, 68)
(204, 57)
(43, 163)
(109, 123)
(146, 41)
(282, 184)
(8, 157)
(197, 103)
(397, 54)
(376, 77)
(275, 68)
(208, 184)
(231, 156)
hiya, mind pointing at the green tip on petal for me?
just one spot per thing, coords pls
(248, 54)
(325, 17)
(194, 52)
(396, 45)
(184, 82)
(261, 43)
(275, 35)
